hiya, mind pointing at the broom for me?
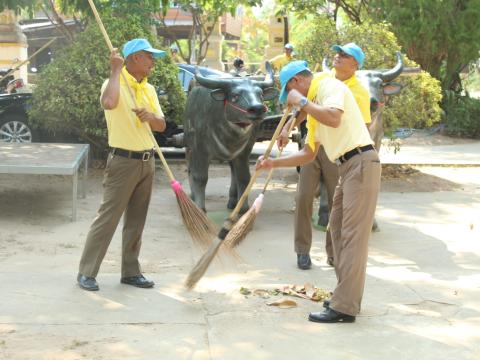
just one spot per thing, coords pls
(202, 265)
(199, 226)
(243, 226)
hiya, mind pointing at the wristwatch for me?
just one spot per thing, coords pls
(303, 102)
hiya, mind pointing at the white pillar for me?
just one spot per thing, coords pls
(13, 44)
(213, 58)
(276, 40)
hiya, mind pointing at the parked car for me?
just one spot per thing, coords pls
(14, 125)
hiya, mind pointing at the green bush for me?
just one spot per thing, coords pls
(462, 115)
(418, 103)
(417, 106)
(66, 99)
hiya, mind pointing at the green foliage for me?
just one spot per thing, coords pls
(417, 104)
(462, 115)
(16, 5)
(441, 36)
(205, 16)
(66, 99)
(254, 37)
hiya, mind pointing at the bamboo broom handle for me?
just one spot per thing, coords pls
(110, 47)
(26, 61)
(270, 173)
(266, 155)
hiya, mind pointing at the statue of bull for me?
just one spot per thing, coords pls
(222, 117)
(379, 85)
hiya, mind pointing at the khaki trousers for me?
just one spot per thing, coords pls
(127, 187)
(351, 220)
(310, 175)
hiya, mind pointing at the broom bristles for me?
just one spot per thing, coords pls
(241, 228)
(201, 229)
(244, 225)
(202, 265)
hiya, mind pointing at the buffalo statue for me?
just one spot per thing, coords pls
(222, 117)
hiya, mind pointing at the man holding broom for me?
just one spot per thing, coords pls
(339, 127)
(348, 59)
(130, 166)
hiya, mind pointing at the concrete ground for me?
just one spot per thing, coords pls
(421, 301)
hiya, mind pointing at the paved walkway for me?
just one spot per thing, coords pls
(422, 296)
(458, 154)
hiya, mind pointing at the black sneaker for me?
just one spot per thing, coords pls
(303, 261)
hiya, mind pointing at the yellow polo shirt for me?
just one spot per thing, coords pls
(360, 94)
(280, 61)
(125, 130)
(351, 133)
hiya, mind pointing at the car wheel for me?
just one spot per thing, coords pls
(14, 128)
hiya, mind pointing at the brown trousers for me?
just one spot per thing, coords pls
(127, 187)
(310, 175)
(351, 220)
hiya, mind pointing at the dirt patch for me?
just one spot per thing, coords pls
(395, 178)
(404, 178)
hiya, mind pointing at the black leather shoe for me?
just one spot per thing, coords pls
(87, 282)
(330, 316)
(303, 261)
(138, 281)
(326, 304)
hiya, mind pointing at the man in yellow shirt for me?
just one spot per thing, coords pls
(348, 59)
(335, 121)
(281, 60)
(177, 59)
(130, 166)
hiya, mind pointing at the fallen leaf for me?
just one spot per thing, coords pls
(245, 291)
(262, 293)
(309, 290)
(275, 292)
(283, 303)
(320, 295)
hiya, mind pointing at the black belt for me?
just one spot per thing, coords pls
(138, 155)
(349, 154)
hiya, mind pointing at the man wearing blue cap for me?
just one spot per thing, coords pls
(335, 121)
(281, 60)
(130, 166)
(344, 67)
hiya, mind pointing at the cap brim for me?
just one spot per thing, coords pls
(156, 53)
(337, 48)
(283, 94)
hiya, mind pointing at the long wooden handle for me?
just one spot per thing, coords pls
(26, 61)
(244, 196)
(270, 173)
(110, 47)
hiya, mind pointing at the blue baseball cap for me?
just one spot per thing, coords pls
(137, 45)
(287, 73)
(288, 46)
(351, 49)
